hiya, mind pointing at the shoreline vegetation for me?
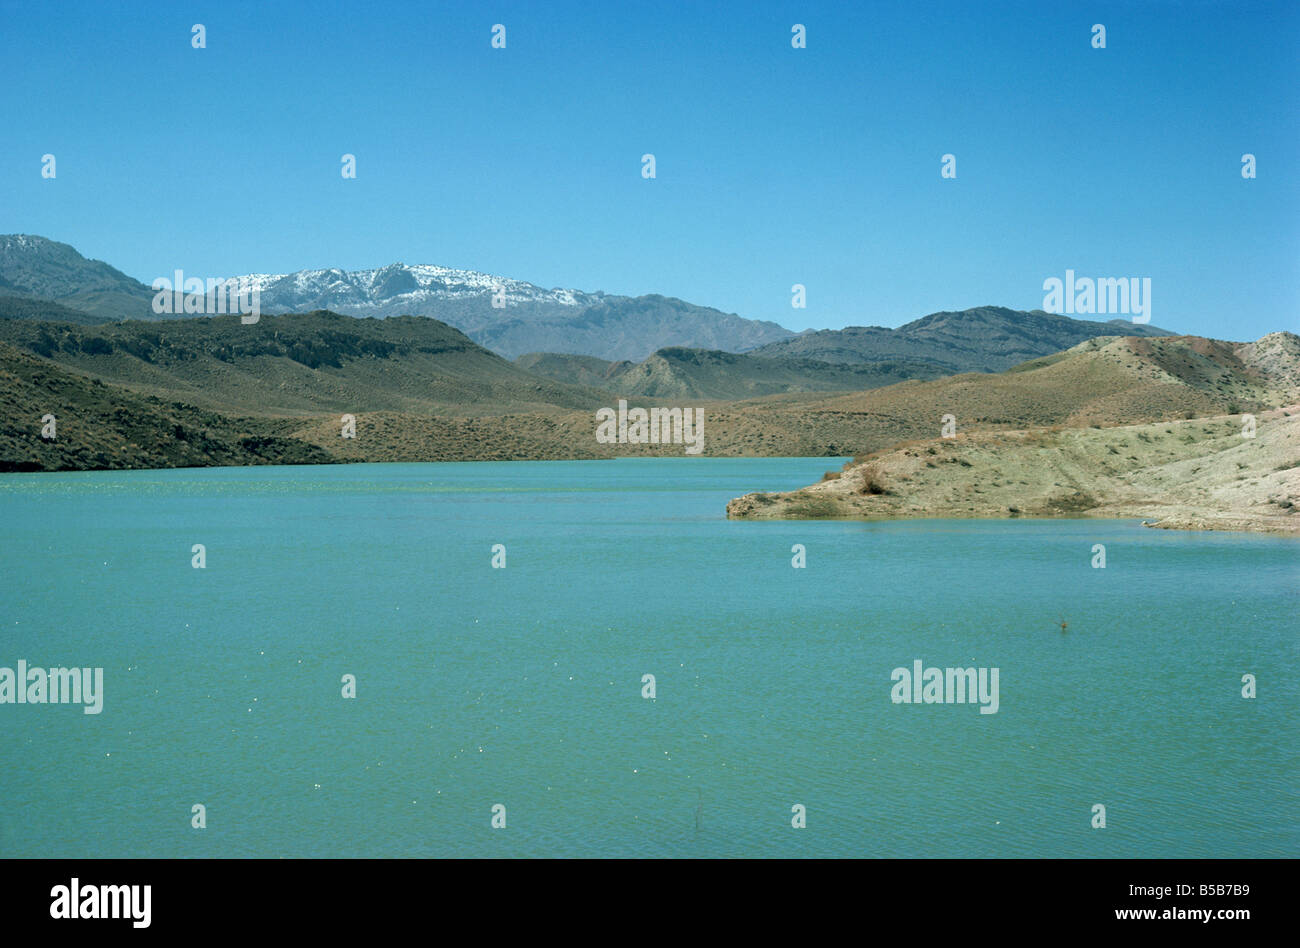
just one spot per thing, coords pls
(1196, 474)
(1136, 426)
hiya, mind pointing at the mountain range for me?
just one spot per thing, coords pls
(981, 339)
(214, 391)
(298, 364)
(531, 318)
(680, 373)
(44, 279)
(1053, 416)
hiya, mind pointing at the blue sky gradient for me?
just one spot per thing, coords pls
(775, 166)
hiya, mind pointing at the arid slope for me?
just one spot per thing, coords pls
(1195, 474)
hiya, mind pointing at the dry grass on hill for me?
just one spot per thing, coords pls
(1194, 474)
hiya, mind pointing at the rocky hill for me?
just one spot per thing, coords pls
(105, 427)
(1057, 437)
(30, 308)
(1198, 474)
(618, 328)
(295, 364)
(37, 267)
(983, 339)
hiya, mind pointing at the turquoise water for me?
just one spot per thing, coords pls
(522, 686)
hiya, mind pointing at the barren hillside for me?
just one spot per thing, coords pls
(1200, 473)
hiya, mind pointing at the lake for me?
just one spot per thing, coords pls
(523, 686)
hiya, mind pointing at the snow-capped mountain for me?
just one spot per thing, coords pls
(398, 289)
(532, 319)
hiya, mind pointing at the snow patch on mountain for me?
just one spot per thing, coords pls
(401, 285)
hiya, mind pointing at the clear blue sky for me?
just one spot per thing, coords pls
(775, 166)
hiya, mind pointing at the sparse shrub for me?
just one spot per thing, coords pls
(1072, 503)
(812, 509)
